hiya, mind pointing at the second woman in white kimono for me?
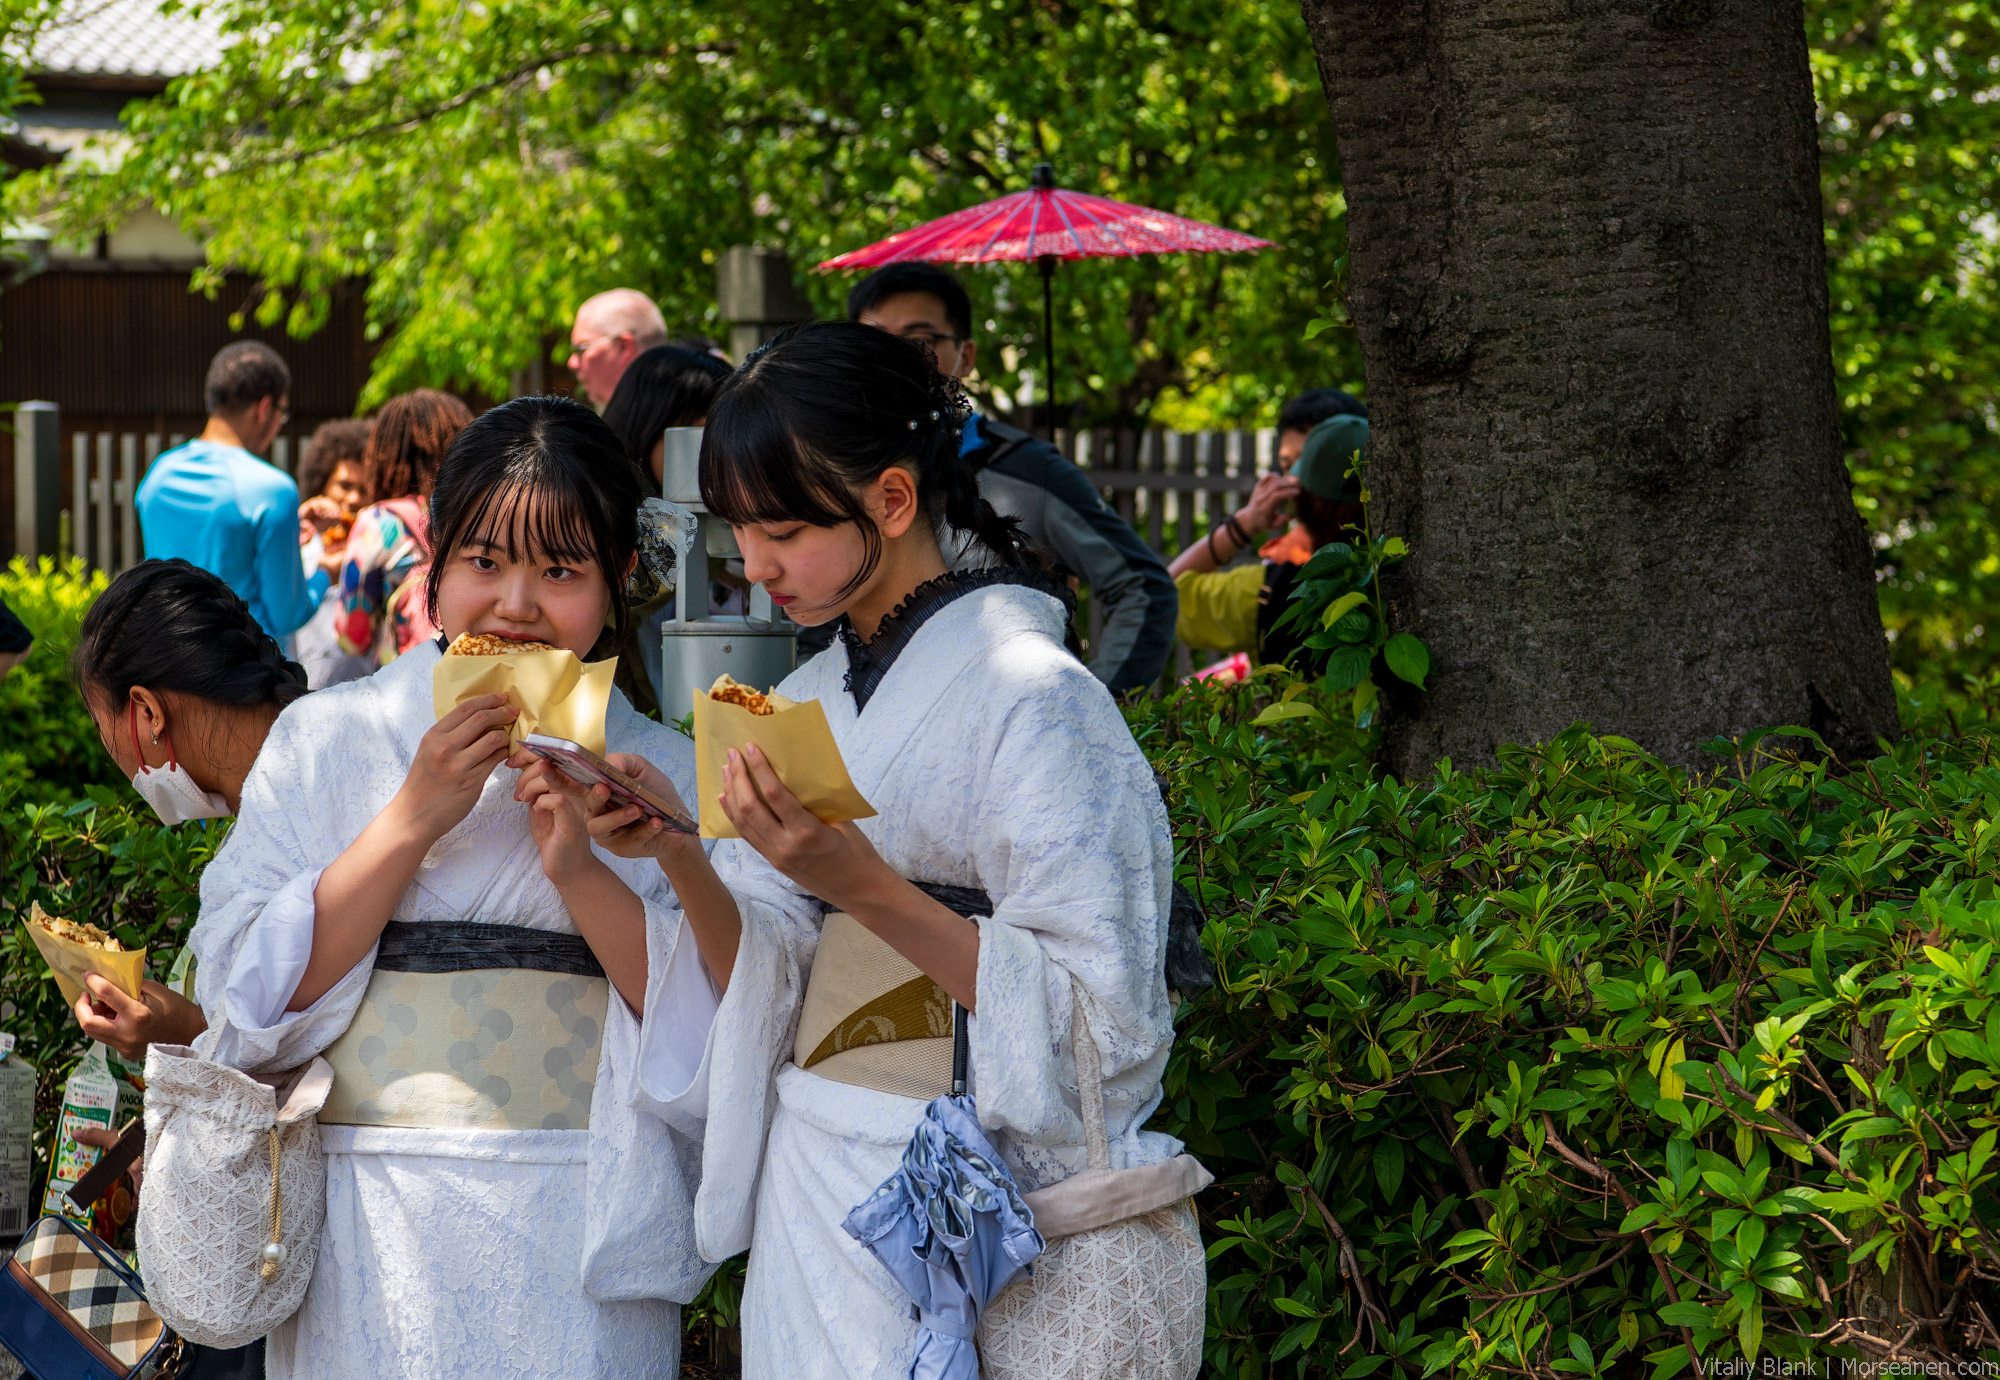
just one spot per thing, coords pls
(996, 762)
(471, 967)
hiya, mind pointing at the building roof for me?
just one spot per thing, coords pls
(125, 39)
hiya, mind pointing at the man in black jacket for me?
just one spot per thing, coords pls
(1025, 477)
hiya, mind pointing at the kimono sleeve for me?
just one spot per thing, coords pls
(254, 932)
(1072, 841)
(728, 1096)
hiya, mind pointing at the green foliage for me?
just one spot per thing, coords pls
(73, 834)
(1337, 595)
(1582, 1063)
(1908, 126)
(486, 167)
(48, 744)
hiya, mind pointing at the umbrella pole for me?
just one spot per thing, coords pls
(1047, 263)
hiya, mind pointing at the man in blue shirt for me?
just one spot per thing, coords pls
(214, 504)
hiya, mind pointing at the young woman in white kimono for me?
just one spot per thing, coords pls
(994, 761)
(441, 929)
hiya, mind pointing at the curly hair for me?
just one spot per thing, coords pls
(412, 433)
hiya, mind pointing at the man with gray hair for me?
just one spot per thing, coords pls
(612, 329)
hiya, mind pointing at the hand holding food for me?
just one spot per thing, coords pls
(74, 950)
(830, 861)
(451, 766)
(158, 1015)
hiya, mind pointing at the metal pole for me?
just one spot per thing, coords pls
(37, 481)
(1047, 263)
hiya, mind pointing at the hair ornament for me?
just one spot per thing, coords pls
(913, 422)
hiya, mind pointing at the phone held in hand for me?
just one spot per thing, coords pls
(586, 768)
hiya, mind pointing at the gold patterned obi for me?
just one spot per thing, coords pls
(472, 1027)
(873, 1019)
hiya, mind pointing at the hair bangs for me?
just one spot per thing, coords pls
(754, 469)
(534, 516)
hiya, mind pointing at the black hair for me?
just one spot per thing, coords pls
(175, 628)
(242, 374)
(884, 283)
(331, 443)
(554, 449)
(824, 409)
(1315, 405)
(666, 386)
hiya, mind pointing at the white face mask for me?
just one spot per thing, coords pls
(171, 792)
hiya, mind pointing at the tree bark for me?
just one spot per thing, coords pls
(1588, 277)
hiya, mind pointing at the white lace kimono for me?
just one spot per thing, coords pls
(995, 760)
(456, 1253)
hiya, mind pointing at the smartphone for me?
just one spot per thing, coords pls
(586, 768)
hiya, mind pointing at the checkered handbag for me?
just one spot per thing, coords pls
(72, 1309)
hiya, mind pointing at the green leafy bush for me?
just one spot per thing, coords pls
(73, 834)
(1582, 1064)
(46, 737)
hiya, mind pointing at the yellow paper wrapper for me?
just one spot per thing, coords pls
(70, 962)
(800, 747)
(556, 693)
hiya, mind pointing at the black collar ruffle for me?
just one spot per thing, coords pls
(868, 662)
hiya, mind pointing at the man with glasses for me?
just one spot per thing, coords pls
(612, 329)
(214, 504)
(1025, 477)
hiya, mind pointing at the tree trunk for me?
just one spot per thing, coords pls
(1589, 284)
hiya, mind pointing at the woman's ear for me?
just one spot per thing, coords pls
(149, 713)
(892, 501)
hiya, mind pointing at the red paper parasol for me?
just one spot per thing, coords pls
(1047, 223)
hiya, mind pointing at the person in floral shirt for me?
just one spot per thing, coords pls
(382, 611)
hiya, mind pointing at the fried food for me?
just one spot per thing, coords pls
(728, 691)
(490, 644)
(76, 931)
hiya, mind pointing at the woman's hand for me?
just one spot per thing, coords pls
(831, 861)
(158, 1015)
(104, 1138)
(1267, 502)
(626, 830)
(559, 819)
(452, 763)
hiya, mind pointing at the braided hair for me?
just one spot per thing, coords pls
(171, 626)
(819, 413)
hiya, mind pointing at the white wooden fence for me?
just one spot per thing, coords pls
(1171, 486)
(101, 523)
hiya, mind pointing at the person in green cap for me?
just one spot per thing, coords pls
(1233, 609)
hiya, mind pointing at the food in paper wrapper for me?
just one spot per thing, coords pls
(74, 949)
(555, 692)
(77, 931)
(491, 644)
(728, 691)
(793, 736)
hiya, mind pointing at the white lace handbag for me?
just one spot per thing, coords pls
(1121, 1292)
(234, 1194)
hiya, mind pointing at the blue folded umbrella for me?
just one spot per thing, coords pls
(951, 1226)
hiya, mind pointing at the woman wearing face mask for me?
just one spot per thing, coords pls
(183, 686)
